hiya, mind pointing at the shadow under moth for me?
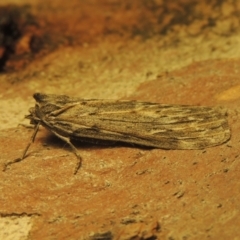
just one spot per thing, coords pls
(155, 125)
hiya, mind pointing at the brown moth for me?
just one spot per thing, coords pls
(142, 123)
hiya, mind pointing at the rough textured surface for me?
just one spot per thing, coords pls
(177, 53)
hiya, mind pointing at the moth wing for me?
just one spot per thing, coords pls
(149, 124)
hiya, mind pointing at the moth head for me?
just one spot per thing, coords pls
(32, 116)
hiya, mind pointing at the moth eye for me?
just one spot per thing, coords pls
(31, 110)
(34, 121)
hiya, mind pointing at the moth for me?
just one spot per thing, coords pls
(149, 124)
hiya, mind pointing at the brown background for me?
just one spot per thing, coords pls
(181, 52)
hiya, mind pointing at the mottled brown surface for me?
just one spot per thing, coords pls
(185, 52)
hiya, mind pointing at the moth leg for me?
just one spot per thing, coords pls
(67, 140)
(26, 149)
(32, 139)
